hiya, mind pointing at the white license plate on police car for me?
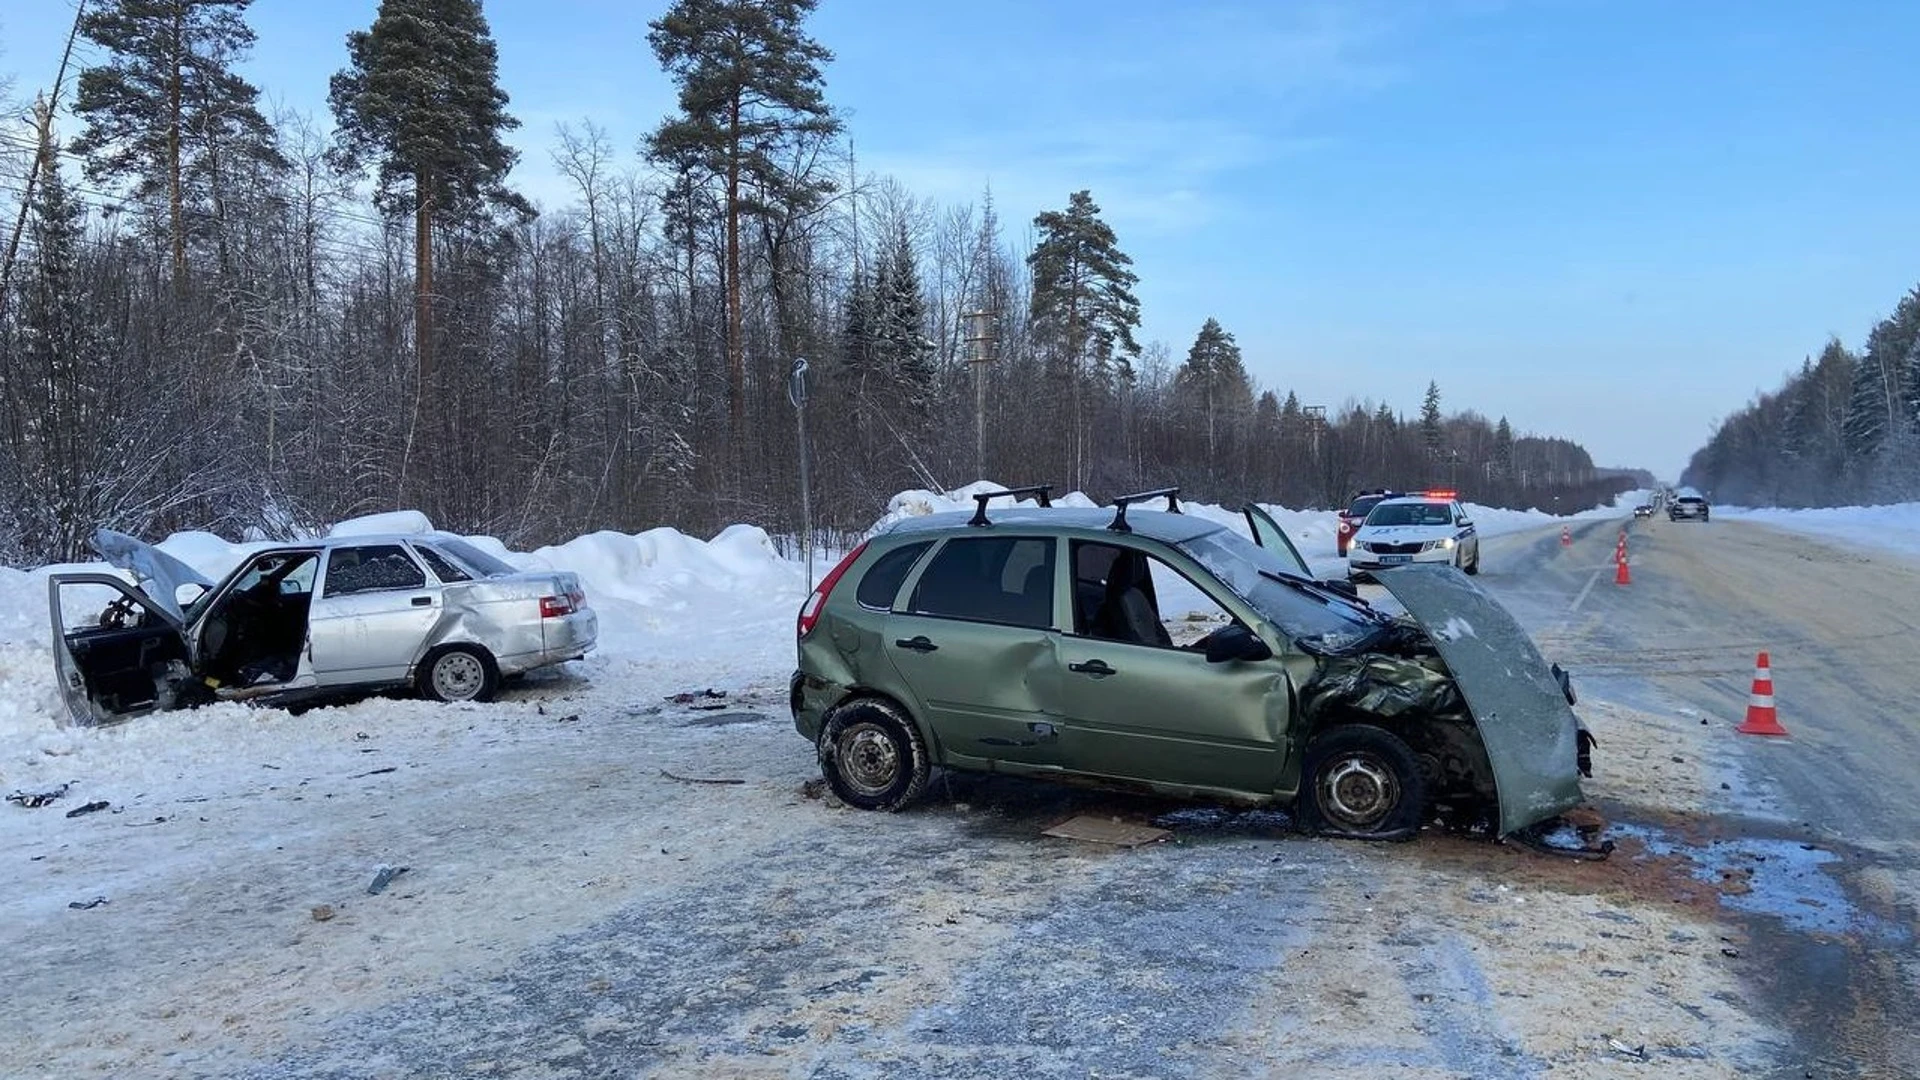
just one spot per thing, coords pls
(1394, 560)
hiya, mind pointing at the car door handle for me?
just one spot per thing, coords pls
(917, 644)
(1096, 668)
(423, 601)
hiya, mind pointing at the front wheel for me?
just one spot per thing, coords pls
(458, 673)
(1474, 566)
(1361, 782)
(873, 756)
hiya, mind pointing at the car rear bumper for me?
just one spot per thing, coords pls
(562, 638)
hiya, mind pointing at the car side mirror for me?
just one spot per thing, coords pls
(188, 593)
(1235, 642)
(1463, 521)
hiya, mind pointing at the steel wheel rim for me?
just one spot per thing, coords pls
(1358, 791)
(458, 676)
(868, 759)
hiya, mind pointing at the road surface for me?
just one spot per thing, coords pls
(584, 898)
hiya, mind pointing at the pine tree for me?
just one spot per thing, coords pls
(750, 88)
(1213, 383)
(421, 99)
(900, 329)
(167, 112)
(1433, 436)
(1083, 306)
(1503, 450)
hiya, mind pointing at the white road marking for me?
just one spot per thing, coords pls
(1578, 600)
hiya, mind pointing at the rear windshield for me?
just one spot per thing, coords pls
(1411, 514)
(1363, 504)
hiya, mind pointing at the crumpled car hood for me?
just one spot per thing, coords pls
(160, 574)
(1529, 730)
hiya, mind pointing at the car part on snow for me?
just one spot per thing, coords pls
(87, 905)
(383, 876)
(33, 800)
(90, 808)
(1542, 837)
(701, 779)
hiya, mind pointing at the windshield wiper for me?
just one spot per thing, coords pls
(1321, 591)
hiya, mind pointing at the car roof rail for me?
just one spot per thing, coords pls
(1042, 492)
(1120, 504)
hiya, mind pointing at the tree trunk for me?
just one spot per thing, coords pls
(175, 199)
(736, 350)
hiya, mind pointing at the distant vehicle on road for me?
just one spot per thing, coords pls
(1644, 510)
(1687, 507)
(1355, 513)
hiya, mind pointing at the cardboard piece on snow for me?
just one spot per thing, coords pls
(1099, 830)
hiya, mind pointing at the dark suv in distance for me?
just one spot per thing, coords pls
(1687, 507)
(1036, 641)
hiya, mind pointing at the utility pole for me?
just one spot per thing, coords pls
(797, 394)
(980, 342)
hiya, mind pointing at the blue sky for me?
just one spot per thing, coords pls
(1610, 220)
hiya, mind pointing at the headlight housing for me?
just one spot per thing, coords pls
(1443, 544)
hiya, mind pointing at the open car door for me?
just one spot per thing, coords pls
(1519, 706)
(1268, 534)
(116, 652)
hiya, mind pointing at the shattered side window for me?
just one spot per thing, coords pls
(372, 568)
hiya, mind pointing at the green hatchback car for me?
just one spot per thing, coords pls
(1160, 651)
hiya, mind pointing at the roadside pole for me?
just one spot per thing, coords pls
(797, 394)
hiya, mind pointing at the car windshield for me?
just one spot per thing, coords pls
(1415, 513)
(472, 558)
(1361, 506)
(1303, 611)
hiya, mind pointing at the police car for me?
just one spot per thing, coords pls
(1426, 528)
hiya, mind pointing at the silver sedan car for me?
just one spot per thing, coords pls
(303, 621)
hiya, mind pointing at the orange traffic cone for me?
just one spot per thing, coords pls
(1760, 716)
(1620, 575)
(1566, 536)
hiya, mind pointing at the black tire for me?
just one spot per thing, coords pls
(1473, 567)
(1360, 782)
(873, 756)
(457, 673)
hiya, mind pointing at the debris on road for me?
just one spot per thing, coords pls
(700, 699)
(33, 800)
(87, 905)
(701, 779)
(375, 772)
(383, 876)
(1106, 831)
(1621, 1048)
(322, 912)
(98, 804)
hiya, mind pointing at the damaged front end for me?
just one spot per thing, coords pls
(1462, 684)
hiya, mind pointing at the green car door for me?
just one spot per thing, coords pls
(1152, 711)
(976, 645)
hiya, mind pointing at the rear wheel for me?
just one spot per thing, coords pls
(873, 756)
(458, 673)
(1361, 782)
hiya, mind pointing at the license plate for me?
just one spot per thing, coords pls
(1394, 560)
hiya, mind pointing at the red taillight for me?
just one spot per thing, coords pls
(552, 607)
(810, 611)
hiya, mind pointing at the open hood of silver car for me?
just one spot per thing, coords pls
(1525, 722)
(160, 574)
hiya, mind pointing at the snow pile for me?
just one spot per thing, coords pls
(397, 522)
(1895, 527)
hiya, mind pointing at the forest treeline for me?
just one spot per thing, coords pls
(212, 317)
(1843, 430)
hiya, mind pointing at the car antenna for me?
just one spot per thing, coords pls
(1120, 504)
(1041, 492)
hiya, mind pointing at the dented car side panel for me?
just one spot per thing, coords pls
(1526, 724)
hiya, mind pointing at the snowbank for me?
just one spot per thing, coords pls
(1894, 527)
